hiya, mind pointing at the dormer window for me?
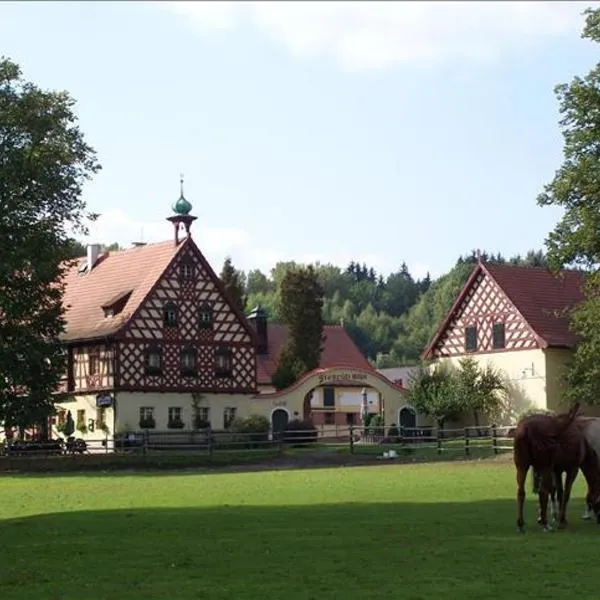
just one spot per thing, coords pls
(153, 364)
(116, 304)
(170, 314)
(206, 317)
(189, 361)
(223, 362)
(186, 270)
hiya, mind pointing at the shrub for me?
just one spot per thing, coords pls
(375, 426)
(300, 432)
(254, 430)
(393, 431)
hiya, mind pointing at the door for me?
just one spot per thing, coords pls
(407, 420)
(279, 420)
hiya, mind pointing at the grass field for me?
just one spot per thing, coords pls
(426, 531)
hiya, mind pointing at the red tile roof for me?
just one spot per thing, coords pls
(540, 296)
(339, 349)
(135, 270)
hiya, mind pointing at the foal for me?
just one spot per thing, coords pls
(551, 445)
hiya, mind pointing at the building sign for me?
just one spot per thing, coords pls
(103, 401)
(342, 378)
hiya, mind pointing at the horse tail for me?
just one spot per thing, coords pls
(569, 418)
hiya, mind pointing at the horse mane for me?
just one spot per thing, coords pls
(542, 432)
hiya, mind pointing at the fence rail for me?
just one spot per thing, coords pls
(355, 440)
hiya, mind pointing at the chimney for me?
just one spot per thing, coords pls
(258, 320)
(138, 244)
(93, 252)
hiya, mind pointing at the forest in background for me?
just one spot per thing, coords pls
(391, 319)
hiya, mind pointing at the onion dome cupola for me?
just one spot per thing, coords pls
(182, 209)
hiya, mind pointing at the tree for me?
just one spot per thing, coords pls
(436, 393)
(574, 241)
(302, 310)
(44, 162)
(483, 390)
(233, 281)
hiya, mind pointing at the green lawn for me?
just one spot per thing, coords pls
(426, 531)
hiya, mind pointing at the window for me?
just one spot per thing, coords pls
(100, 417)
(329, 418)
(93, 362)
(153, 360)
(175, 421)
(146, 412)
(147, 417)
(329, 397)
(170, 314)
(202, 417)
(186, 270)
(223, 362)
(80, 418)
(62, 416)
(205, 316)
(499, 336)
(188, 361)
(350, 418)
(228, 416)
(471, 338)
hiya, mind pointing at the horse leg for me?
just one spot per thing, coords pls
(553, 507)
(588, 513)
(545, 486)
(569, 480)
(521, 476)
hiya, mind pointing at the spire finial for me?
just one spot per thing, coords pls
(181, 184)
(478, 255)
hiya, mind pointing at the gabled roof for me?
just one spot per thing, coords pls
(338, 349)
(540, 297)
(115, 273)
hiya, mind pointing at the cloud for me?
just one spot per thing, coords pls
(376, 35)
(115, 225)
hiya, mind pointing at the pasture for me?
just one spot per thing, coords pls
(407, 531)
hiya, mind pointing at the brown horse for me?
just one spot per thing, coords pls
(551, 444)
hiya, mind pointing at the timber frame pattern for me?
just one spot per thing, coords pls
(482, 319)
(185, 336)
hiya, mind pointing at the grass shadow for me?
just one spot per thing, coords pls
(322, 551)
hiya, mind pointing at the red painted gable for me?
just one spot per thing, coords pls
(339, 349)
(540, 296)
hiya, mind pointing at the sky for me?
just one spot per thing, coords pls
(323, 131)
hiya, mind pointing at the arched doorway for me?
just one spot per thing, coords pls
(279, 419)
(407, 419)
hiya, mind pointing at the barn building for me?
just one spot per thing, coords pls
(514, 318)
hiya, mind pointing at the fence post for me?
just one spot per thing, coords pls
(495, 439)
(439, 440)
(351, 438)
(209, 439)
(145, 447)
(467, 448)
(280, 435)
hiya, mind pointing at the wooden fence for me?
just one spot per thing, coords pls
(355, 440)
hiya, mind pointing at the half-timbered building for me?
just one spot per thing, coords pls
(153, 340)
(514, 318)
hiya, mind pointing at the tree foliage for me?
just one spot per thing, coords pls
(575, 241)
(302, 311)
(44, 162)
(234, 284)
(445, 392)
